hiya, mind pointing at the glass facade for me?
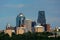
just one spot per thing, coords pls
(41, 18)
(20, 20)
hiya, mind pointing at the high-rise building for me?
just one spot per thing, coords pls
(41, 18)
(20, 19)
(28, 24)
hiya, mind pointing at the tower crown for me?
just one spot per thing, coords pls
(21, 15)
(20, 19)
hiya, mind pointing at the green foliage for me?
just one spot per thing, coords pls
(28, 36)
(4, 36)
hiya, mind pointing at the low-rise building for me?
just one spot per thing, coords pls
(8, 31)
(39, 28)
(20, 30)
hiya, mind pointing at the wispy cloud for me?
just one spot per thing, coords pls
(14, 5)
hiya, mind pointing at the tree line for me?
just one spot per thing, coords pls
(28, 36)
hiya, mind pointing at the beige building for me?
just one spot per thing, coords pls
(8, 31)
(28, 24)
(39, 28)
(21, 29)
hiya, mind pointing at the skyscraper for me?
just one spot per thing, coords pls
(28, 24)
(20, 19)
(41, 18)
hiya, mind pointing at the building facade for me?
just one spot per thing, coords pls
(39, 28)
(20, 30)
(9, 31)
(41, 18)
(28, 24)
(48, 27)
(33, 25)
(20, 20)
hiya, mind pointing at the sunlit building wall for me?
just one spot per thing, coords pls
(20, 30)
(9, 32)
(39, 28)
(28, 24)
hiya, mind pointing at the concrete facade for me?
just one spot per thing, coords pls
(39, 29)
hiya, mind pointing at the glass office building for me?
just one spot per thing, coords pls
(20, 20)
(41, 18)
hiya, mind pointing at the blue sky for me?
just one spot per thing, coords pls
(9, 9)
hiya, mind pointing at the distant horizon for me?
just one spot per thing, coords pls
(9, 9)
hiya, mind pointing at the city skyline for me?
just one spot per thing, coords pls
(9, 9)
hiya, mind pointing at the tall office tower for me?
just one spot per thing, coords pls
(28, 24)
(41, 18)
(20, 20)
